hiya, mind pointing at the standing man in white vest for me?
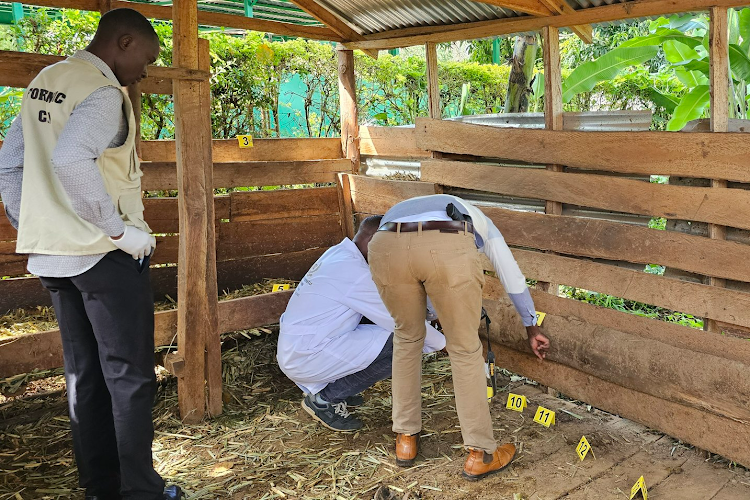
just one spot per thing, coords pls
(70, 182)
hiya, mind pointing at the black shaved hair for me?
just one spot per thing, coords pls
(370, 224)
(118, 22)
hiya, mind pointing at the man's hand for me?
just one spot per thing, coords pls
(538, 341)
(135, 242)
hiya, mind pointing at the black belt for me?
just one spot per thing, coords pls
(432, 225)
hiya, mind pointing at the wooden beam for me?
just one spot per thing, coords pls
(43, 350)
(29, 293)
(726, 436)
(433, 84)
(702, 155)
(718, 43)
(268, 150)
(482, 29)
(163, 176)
(600, 239)
(238, 240)
(283, 204)
(90, 5)
(544, 8)
(328, 18)
(395, 142)
(588, 338)
(585, 32)
(533, 7)
(618, 194)
(693, 298)
(376, 196)
(348, 106)
(235, 21)
(22, 67)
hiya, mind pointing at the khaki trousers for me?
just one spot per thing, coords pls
(406, 267)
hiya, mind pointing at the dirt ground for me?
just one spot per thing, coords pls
(264, 446)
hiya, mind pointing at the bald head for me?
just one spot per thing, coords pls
(367, 228)
(127, 42)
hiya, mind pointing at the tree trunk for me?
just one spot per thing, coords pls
(521, 73)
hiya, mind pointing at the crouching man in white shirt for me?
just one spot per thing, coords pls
(325, 348)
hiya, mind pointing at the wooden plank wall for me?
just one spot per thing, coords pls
(259, 234)
(637, 367)
(686, 382)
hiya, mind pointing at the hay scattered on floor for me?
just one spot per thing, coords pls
(24, 321)
(401, 176)
(263, 446)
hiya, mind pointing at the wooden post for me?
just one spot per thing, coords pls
(197, 316)
(348, 103)
(553, 120)
(719, 72)
(213, 335)
(433, 95)
(553, 114)
(433, 85)
(345, 205)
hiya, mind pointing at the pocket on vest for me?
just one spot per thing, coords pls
(130, 202)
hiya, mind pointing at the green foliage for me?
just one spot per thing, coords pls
(632, 307)
(480, 51)
(681, 70)
(248, 73)
(607, 67)
(47, 34)
(488, 87)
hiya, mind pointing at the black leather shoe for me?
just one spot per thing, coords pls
(172, 493)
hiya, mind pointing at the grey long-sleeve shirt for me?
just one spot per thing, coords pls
(96, 124)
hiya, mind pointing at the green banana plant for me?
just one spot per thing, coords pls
(683, 41)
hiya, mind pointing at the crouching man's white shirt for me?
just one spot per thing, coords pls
(320, 338)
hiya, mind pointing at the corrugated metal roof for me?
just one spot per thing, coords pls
(375, 16)
(365, 16)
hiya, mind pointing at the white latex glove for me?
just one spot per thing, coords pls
(135, 242)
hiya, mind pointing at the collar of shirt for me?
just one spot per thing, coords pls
(87, 56)
(353, 248)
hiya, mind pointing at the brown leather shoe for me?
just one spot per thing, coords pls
(406, 449)
(481, 464)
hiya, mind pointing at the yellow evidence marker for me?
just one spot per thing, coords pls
(516, 402)
(544, 416)
(639, 485)
(246, 141)
(540, 318)
(279, 287)
(583, 447)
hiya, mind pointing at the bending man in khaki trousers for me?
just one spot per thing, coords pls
(420, 250)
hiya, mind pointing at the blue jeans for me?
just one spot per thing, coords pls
(378, 370)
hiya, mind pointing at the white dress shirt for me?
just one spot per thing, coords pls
(321, 339)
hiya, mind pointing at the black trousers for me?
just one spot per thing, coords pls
(106, 318)
(380, 369)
